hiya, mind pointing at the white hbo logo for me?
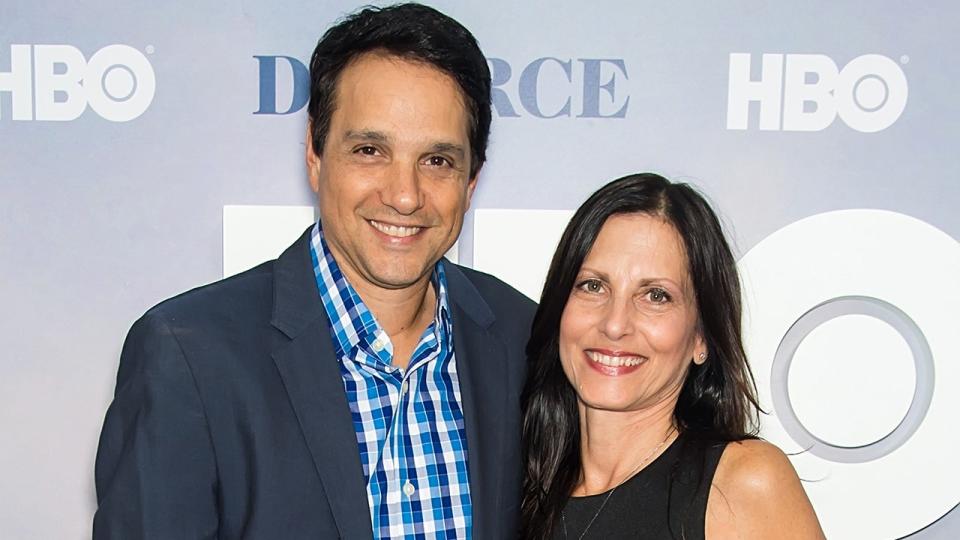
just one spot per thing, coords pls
(57, 83)
(806, 92)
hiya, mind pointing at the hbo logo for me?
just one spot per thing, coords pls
(117, 82)
(806, 92)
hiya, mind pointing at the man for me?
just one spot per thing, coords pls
(358, 386)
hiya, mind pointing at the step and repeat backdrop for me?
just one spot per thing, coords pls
(149, 147)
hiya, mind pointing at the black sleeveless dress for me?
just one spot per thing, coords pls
(667, 499)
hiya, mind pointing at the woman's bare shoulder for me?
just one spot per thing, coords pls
(756, 494)
(754, 468)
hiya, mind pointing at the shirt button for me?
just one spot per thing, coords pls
(403, 389)
(408, 489)
(377, 345)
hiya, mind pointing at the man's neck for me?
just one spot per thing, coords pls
(398, 310)
(403, 313)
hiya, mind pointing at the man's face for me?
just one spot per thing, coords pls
(392, 179)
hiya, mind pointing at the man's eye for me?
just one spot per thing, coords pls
(591, 286)
(658, 296)
(366, 151)
(438, 161)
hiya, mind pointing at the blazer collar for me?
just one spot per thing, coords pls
(465, 295)
(308, 367)
(481, 357)
(296, 300)
(311, 375)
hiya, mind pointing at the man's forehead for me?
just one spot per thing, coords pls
(366, 74)
(386, 105)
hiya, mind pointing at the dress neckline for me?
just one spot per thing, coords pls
(650, 466)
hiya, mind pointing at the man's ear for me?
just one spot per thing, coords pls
(471, 186)
(313, 161)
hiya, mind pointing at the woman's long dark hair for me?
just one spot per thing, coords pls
(718, 398)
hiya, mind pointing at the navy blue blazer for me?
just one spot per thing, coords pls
(230, 419)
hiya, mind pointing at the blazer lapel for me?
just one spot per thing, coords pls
(311, 376)
(481, 365)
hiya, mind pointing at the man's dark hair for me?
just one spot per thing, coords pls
(413, 32)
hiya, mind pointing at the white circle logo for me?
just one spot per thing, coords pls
(119, 83)
(871, 93)
(850, 327)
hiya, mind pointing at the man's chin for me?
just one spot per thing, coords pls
(393, 276)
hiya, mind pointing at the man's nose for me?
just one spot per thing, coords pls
(402, 189)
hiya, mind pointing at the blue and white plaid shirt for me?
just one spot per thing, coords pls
(409, 423)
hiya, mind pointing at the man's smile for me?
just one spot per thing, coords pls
(397, 231)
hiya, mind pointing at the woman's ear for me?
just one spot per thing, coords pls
(699, 351)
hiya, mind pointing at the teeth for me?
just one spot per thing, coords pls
(614, 361)
(393, 230)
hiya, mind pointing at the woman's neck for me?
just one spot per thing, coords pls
(615, 445)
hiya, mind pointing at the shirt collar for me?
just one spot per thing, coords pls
(351, 322)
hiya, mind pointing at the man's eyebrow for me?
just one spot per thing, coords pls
(366, 135)
(369, 135)
(449, 148)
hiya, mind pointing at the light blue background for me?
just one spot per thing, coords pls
(100, 220)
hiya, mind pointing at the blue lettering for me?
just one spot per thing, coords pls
(268, 84)
(529, 79)
(500, 73)
(613, 70)
(592, 87)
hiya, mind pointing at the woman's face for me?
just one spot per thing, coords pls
(629, 329)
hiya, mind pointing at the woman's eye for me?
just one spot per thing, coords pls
(659, 296)
(591, 286)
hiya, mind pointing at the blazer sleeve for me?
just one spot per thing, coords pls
(156, 467)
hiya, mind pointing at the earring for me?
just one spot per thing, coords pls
(702, 357)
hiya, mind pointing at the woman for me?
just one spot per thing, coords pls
(640, 409)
